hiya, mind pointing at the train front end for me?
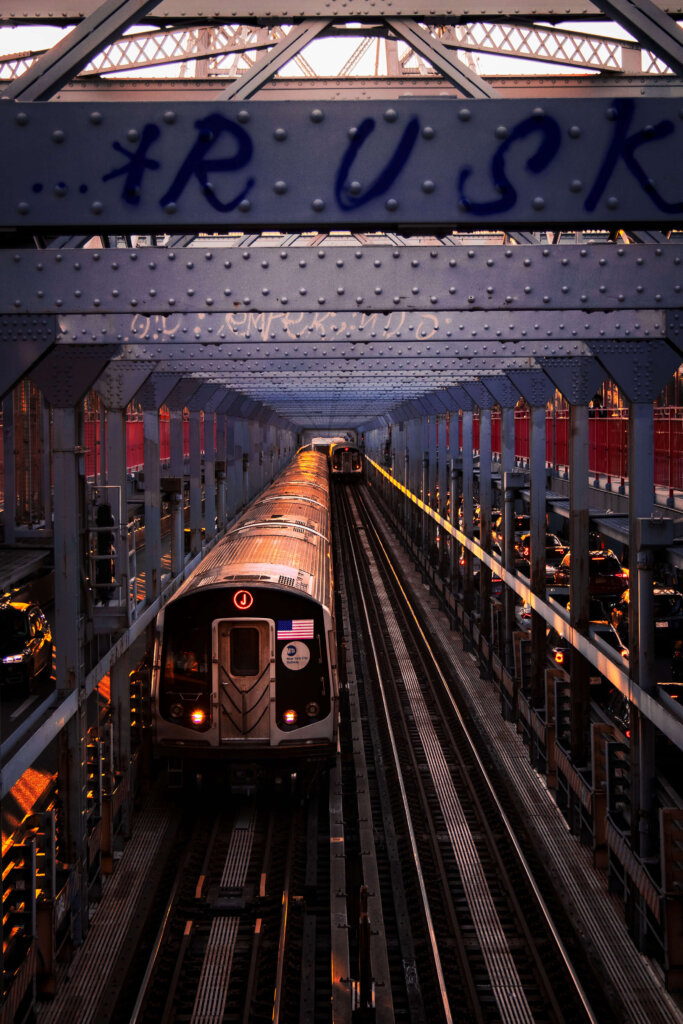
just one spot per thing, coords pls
(246, 673)
(346, 462)
(245, 669)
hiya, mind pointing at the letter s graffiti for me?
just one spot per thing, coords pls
(549, 129)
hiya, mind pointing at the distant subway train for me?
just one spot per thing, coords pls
(346, 460)
(245, 664)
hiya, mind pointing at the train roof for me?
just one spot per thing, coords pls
(281, 540)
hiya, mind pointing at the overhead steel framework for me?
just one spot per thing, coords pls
(283, 219)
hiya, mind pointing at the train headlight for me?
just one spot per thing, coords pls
(198, 717)
(290, 717)
(176, 711)
(312, 709)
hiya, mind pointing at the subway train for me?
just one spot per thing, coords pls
(245, 656)
(346, 461)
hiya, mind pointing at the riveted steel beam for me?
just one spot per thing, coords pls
(255, 369)
(179, 11)
(411, 165)
(534, 385)
(23, 343)
(388, 89)
(437, 333)
(65, 377)
(639, 371)
(370, 279)
(577, 379)
(120, 381)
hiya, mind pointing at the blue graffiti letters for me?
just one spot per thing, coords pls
(537, 162)
(348, 201)
(138, 163)
(196, 163)
(624, 146)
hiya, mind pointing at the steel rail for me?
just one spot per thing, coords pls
(491, 790)
(404, 798)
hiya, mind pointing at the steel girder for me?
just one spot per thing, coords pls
(414, 165)
(223, 45)
(179, 11)
(369, 279)
(333, 335)
(387, 89)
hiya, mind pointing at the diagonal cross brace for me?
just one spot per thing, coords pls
(651, 26)
(441, 58)
(271, 62)
(63, 61)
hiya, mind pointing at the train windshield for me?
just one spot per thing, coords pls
(187, 655)
(245, 651)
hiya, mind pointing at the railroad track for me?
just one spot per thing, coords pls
(239, 937)
(469, 932)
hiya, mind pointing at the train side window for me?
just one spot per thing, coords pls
(245, 651)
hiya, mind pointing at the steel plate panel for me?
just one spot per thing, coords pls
(330, 335)
(511, 162)
(371, 279)
(179, 11)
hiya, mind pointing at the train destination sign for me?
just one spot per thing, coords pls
(411, 164)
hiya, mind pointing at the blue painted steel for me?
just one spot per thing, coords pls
(338, 278)
(410, 163)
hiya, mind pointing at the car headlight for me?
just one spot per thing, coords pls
(12, 659)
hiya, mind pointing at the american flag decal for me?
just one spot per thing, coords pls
(295, 629)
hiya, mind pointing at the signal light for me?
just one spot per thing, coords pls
(559, 657)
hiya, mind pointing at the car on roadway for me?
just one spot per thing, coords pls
(606, 575)
(668, 618)
(25, 644)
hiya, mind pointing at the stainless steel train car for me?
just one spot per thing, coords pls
(346, 461)
(245, 662)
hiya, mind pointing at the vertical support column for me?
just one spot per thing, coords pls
(233, 464)
(72, 739)
(177, 510)
(456, 495)
(425, 521)
(579, 597)
(221, 470)
(485, 515)
(537, 552)
(468, 502)
(177, 444)
(46, 465)
(641, 492)
(120, 701)
(152, 506)
(10, 520)
(116, 476)
(246, 457)
(195, 482)
(209, 475)
(507, 467)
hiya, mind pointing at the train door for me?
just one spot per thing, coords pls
(244, 655)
